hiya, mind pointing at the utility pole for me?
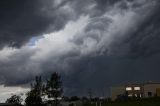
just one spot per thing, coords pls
(90, 93)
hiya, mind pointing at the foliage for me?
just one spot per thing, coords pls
(74, 98)
(14, 99)
(84, 99)
(34, 96)
(54, 88)
(32, 99)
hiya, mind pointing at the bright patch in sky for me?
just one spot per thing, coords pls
(33, 40)
(6, 92)
(59, 43)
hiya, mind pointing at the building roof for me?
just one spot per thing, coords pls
(141, 84)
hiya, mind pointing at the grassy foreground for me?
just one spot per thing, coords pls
(142, 102)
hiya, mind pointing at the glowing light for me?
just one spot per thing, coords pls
(137, 88)
(128, 88)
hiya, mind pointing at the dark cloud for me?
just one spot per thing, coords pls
(119, 44)
(134, 57)
(145, 40)
(21, 20)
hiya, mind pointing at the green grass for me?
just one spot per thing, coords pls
(142, 102)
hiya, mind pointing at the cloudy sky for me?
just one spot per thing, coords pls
(93, 43)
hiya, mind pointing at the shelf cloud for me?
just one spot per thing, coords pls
(92, 44)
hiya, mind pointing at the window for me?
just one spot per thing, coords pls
(130, 95)
(135, 95)
(128, 88)
(140, 95)
(137, 88)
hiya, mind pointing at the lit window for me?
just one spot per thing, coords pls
(130, 95)
(128, 88)
(135, 95)
(140, 95)
(137, 88)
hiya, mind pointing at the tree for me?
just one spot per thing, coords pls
(74, 98)
(54, 88)
(34, 96)
(16, 99)
(84, 99)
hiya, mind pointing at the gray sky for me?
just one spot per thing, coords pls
(92, 44)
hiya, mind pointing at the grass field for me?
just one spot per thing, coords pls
(142, 102)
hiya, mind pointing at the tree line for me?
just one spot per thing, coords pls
(42, 93)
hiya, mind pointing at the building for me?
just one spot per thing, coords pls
(142, 90)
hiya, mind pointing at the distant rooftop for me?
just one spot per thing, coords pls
(146, 83)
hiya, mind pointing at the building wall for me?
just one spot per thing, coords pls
(158, 91)
(147, 90)
(115, 91)
(152, 88)
(135, 92)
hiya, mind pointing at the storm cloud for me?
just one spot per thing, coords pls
(21, 20)
(93, 44)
